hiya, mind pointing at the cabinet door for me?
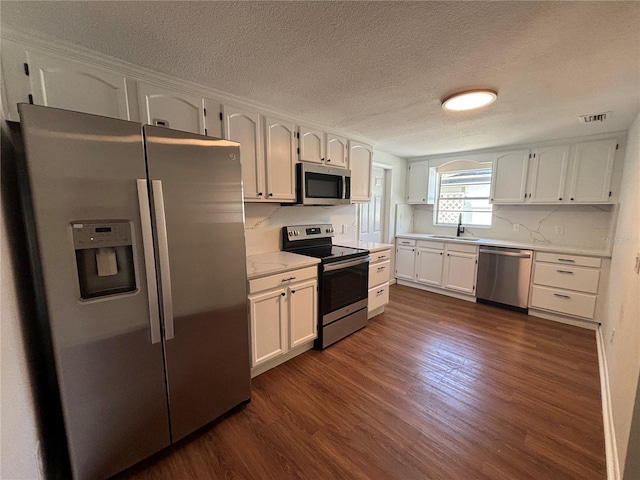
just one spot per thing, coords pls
(244, 127)
(303, 313)
(311, 144)
(429, 263)
(509, 177)
(76, 86)
(268, 326)
(213, 118)
(360, 164)
(592, 169)
(547, 174)
(460, 272)
(15, 86)
(280, 159)
(166, 108)
(405, 263)
(336, 151)
(417, 182)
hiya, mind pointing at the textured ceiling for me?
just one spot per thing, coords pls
(380, 69)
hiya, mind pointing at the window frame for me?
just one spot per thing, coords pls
(438, 198)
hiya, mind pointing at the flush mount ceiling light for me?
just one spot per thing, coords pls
(469, 100)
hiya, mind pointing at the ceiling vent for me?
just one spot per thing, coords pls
(595, 117)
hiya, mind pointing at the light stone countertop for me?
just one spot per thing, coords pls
(264, 264)
(505, 243)
(371, 246)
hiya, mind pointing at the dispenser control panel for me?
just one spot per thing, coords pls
(99, 235)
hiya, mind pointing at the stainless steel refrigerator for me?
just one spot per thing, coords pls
(139, 265)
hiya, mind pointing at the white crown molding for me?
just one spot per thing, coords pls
(619, 135)
(46, 44)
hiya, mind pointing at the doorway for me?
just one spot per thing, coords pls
(372, 217)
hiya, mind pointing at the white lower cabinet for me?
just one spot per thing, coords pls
(379, 273)
(460, 269)
(565, 284)
(283, 314)
(445, 266)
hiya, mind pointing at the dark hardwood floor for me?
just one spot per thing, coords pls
(435, 388)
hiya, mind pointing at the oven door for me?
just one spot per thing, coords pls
(344, 288)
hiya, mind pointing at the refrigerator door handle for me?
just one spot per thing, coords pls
(163, 256)
(149, 261)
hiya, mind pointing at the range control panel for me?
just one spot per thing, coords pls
(305, 232)
(91, 234)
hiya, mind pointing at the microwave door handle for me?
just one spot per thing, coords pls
(163, 256)
(149, 261)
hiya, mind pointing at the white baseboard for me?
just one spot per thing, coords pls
(611, 450)
(274, 362)
(556, 317)
(441, 291)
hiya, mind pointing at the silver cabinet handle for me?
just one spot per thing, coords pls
(565, 271)
(163, 256)
(288, 279)
(149, 261)
(561, 296)
(566, 260)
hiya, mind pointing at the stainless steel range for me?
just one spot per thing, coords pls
(343, 277)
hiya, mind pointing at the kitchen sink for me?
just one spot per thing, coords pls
(451, 237)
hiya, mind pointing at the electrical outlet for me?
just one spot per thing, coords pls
(613, 334)
(516, 227)
(344, 228)
(559, 230)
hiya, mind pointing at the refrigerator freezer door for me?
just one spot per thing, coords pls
(111, 377)
(208, 369)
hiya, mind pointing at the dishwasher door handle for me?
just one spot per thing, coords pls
(506, 254)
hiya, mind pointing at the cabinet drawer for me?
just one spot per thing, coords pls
(563, 301)
(379, 273)
(564, 276)
(282, 279)
(429, 244)
(378, 296)
(462, 247)
(381, 256)
(576, 260)
(406, 241)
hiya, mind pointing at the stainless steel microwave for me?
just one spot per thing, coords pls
(322, 185)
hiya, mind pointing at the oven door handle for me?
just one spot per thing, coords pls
(345, 264)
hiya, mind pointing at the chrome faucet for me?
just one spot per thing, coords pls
(460, 227)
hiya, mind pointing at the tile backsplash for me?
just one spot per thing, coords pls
(587, 226)
(264, 222)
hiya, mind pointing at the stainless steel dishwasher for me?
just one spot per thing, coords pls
(503, 277)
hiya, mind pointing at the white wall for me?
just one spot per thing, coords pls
(19, 455)
(623, 309)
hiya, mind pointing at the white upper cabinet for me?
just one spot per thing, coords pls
(311, 145)
(509, 177)
(280, 159)
(547, 174)
(592, 170)
(15, 86)
(318, 147)
(360, 164)
(72, 85)
(212, 118)
(163, 107)
(244, 127)
(418, 182)
(336, 148)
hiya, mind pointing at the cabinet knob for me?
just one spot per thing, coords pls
(283, 294)
(440, 253)
(271, 194)
(328, 160)
(293, 291)
(560, 198)
(571, 198)
(259, 194)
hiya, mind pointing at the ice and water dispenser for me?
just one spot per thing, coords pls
(104, 258)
